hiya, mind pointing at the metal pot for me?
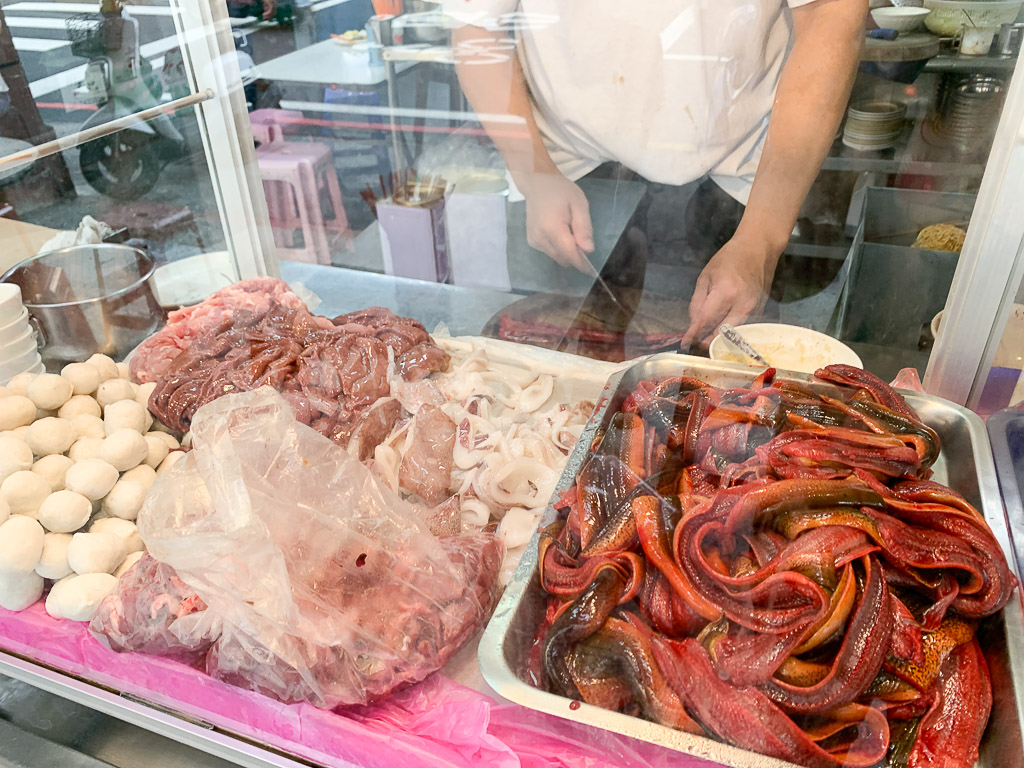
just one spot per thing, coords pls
(87, 299)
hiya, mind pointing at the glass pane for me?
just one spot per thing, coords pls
(68, 70)
(635, 167)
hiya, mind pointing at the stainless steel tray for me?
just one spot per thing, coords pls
(965, 465)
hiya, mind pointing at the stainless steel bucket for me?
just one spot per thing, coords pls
(87, 299)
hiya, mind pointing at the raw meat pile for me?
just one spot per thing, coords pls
(279, 564)
(253, 334)
(155, 355)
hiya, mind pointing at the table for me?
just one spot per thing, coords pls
(19, 240)
(612, 206)
(329, 62)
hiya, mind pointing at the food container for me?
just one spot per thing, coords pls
(965, 464)
(1009, 40)
(87, 299)
(874, 125)
(977, 41)
(947, 17)
(786, 346)
(903, 20)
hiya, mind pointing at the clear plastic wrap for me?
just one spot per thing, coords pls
(327, 587)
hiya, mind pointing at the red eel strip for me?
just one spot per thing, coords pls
(746, 718)
(950, 732)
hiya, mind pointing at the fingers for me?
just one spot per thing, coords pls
(582, 228)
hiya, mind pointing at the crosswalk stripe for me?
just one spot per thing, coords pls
(37, 45)
(75, 75)
(135, 10)
(34, 22)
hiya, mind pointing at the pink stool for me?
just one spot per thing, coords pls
(272, 124)
(302, 171)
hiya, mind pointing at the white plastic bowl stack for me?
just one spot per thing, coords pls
(19, 352)
(874, 125)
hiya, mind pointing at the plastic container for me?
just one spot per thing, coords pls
(949, 16)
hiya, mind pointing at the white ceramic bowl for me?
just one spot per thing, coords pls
(17, 344)
(14, 327)
(950, 16)
(901, 19)
(787, 347)
(27, 361)
(190, 280)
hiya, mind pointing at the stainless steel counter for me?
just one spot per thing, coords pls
(41, 730)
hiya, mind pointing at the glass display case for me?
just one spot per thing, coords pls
(463, 219)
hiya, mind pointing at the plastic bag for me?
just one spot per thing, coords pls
(328, 587)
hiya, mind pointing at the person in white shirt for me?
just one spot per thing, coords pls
(747, 92)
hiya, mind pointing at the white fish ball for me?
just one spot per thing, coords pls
(77, 598)
(130, 559)
(24, 491)
(93, 478)
(158, 450)
(123, 372)
(64, 511)
(49, 391)
(80, 405)
(124, 449)
(4, 392)
(125, 500)
(5, 511)
(21, 544)
(16, 411)
(19, 384)
(107, 368)
(171, 440)
(84, 377)
(20, 590)
(51, 435)
(53, 468)
(113, 391)
(125, 414)
(88, 425)
(53, 562)
(143, 393)
(143, 474)
(167, 464)
(95, 552)
(85, 448)
(15, 456)
(125, 530)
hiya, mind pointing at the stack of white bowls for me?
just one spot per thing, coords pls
(19, 351)
(874, 125)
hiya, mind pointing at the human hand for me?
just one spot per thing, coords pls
(558, 219)
(732, 286)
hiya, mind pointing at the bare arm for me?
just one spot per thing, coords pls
(558, 218)
(812, 94)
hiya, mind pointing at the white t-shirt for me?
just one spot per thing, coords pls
(672, 89)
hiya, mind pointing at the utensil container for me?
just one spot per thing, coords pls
(87, 299)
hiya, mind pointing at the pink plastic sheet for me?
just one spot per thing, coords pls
(436, 724)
